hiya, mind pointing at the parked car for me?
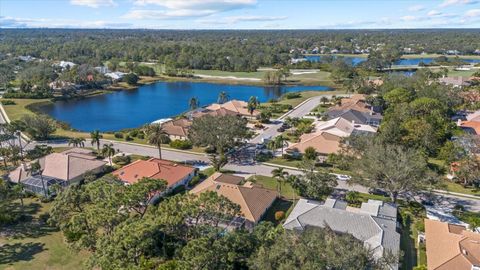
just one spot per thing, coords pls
(377, 191)
(342, 177)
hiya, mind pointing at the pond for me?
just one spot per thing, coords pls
(355, 60)
(133, 108)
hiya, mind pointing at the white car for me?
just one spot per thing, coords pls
(342, 177)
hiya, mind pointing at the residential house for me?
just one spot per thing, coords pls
(455, 81)
(355, 108)
(66, 64)
(64, 169)
(232, 107)
(471, 127)
(115, 76)
(327, 136)
(177, 129)
(254, 201)
(174, 174)
(374, 223)
(451, 247)
(102, 69)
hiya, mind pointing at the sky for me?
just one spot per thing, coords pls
(240, 14)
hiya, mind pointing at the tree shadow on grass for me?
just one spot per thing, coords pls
(12, 253)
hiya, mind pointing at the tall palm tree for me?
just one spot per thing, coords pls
(16, 128)
(156, 135)
(108, 151)
(193, 103)
(252, 104)
(279, 142)
(96, 136)
(222, 97)
(280, 176)
(36, 168)
(293, 181)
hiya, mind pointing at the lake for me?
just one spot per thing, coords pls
(402, 62)
(133, 108)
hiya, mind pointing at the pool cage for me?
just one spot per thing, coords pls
(42, 185)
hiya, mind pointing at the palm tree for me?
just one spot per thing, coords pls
(193, 103)
(293, 181)
(76, 142)
(108, 151)
(252, 104)
(156, 135)
(279, 175)
(16, 128)
(36, 168)
(279, 142)
(96, 136)
(18, 190)
(222, 97)
(324, 100)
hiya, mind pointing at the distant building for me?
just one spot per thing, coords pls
(355, 109)
(232, 107)
(177, 129)
(298, 60)
(374, 223)
(174, 174)
(26, 58)
(102, 69)
(455, 81)
(66, 64)
(451, 247)
(115, 76)
(254, 201)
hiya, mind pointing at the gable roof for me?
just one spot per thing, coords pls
(377, 232)
(451, 246)
(253, 200)
(471, 125)
(154, 168)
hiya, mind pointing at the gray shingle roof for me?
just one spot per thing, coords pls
(374, 223)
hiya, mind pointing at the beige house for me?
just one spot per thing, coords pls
(65, 168)
(451, 247)
(177, 129)
(232, 107)
(253, 200)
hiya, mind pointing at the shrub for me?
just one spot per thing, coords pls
(8, 102)
(263, 157)
(279, 215)
(141, 136)
(194, 181)
(131, 78)
(118, 135)
(181, 144)
(133, 133)
(292, 95)
(128, 138)
(420, 226)
(121, 160)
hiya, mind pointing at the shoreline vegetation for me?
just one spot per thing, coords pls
(405, 56)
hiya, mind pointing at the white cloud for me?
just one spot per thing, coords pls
(10, 22)
(447, 3)
(434, 13)
(186, 8)
(236, 19)
(416, 8)
(472, 13)
(93, 3)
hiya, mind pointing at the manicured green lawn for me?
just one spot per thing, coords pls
(271, 183)
(255, 74)
(35, 245)
(285, 206)
(454, 187)
(17, 111)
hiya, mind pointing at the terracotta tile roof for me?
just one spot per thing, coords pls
(237, 106)
(473, 125)
(218, 112)
(153, 168)
(324, 142)
(355, 102)
(253, 200)
(177, 127)
(451, 247)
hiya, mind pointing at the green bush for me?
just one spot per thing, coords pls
(121, 160)
(181, 144)
(8, 102)
(194, 181)
(118, 135)
(263, 157)
(292, 95)
(128, 138)
(133, 133)
(141, 136)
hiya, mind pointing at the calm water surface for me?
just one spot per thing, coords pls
(133, 108)
(402, 62)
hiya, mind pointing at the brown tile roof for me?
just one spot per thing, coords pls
(69, 164)
(237, 106)
(324, 142)
(153, 168)
(475, 125)
(218, 112)
(253, 200)
(177, 127)
(355, 102)
(451, 247)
